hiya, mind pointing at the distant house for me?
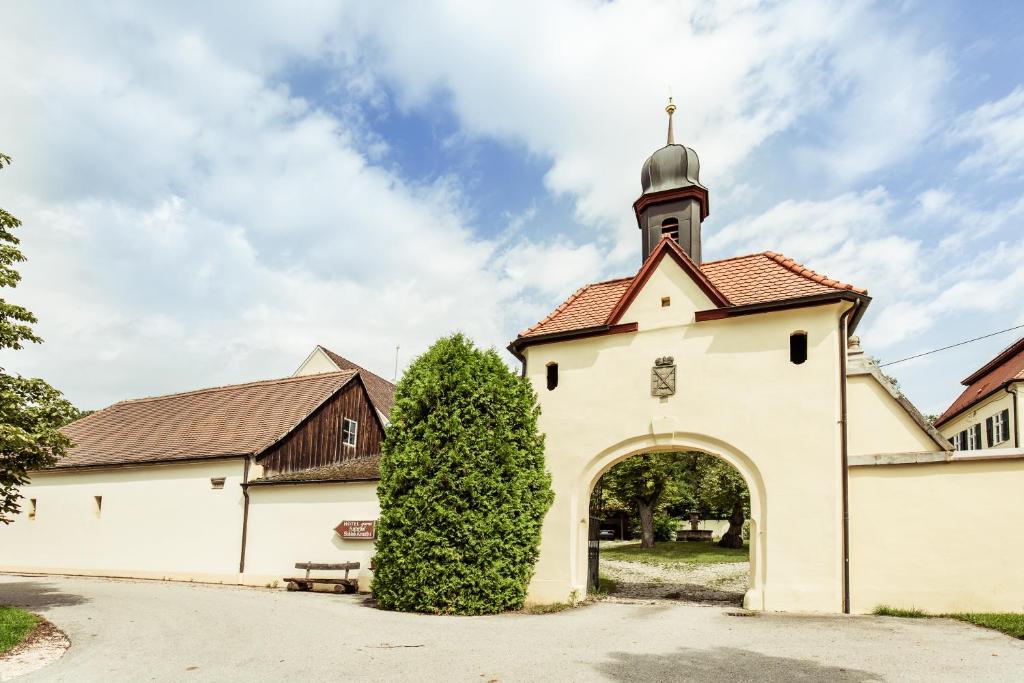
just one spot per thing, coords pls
(232, 484)
(985, 414)
(321, 359)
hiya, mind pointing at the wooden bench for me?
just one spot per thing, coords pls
(345, 585)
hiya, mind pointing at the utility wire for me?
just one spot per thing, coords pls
(951, 346)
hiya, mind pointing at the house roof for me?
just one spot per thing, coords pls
(742, 281)
(234, 420)
(1006, 367)
(381, 391)
(366, 468)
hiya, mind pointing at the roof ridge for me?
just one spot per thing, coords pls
(800, 269)
(226, 387)
(359, 368)
(734, 258)
(993, 363)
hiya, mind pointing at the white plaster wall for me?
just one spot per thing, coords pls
(738, 396)
(877, 422)
(944, 537)
(318, 362)
(157, 521)
(977, 414)
(295, 523)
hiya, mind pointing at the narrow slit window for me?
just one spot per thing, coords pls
(552, 376)
(349, 429)
(670, 226)
(32, 508)
(98, 506)
(798, 348)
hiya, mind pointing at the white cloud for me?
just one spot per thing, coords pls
(190, 220)
(996, 131)
(581, 84)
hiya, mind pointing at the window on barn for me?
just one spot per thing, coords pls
(217, 482)
(349, 429)
(552, 376)
(32, 508)
(670, 226)
(97, 506)
(797, 348)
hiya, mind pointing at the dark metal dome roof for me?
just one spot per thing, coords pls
(669, 168)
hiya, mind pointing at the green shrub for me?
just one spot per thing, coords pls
(463, 488)
(665, 527)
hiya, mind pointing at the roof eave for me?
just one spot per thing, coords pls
(517, 345)
(860, 302)
(944, 419)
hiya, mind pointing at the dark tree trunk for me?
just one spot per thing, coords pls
(646, 512)
(733, 538)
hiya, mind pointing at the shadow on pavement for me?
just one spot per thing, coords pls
(37, 595)
(722, 664)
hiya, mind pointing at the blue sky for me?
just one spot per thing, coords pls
(207, 193)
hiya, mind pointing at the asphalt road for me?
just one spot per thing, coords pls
(156, 631)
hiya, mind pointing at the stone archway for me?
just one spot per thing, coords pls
(606, 459)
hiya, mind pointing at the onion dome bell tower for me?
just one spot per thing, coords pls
(673, 201)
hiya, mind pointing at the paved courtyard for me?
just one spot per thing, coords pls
(156, 631)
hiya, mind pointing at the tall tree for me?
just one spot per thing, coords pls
(31, 411)
(646, 483)
(720, 488)
(463, 488)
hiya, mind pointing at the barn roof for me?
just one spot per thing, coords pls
(234, 420)
(1006, 367)
(365, 468)
(741, 281)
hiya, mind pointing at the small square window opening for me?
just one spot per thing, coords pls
(217, 482)
(666, 301)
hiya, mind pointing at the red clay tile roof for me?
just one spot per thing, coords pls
(1006, 367)
(381, 391)
(743, 280)
(240, 419)
(588, 307)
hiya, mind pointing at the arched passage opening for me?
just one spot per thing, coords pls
(670, 526)
(755, 511)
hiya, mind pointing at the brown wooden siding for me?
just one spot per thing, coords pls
(317, 441)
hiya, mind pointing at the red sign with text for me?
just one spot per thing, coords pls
(357, 529)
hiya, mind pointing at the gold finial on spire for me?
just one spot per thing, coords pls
(670, 109)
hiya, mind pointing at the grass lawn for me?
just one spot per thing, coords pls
(15, 624)
(1012, 624)
(672, 553)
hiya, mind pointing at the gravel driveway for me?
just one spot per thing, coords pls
(719, 584)
(157, 631)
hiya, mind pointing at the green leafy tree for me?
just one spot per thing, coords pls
(31, 411)
(463, 488)
(647, 483)
(720, 489)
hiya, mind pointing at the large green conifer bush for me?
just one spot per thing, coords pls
(463, 488)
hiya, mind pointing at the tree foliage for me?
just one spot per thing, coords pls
(31, 411)
(721, 490)
(645, 484)
(463, 488)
